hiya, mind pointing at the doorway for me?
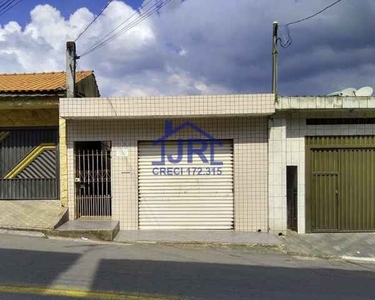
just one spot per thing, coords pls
(340, 178)
(291, 195)
(93, 179)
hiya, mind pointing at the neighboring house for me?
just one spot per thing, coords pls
(29, 135)
(322, 164)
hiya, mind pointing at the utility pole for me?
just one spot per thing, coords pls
(274, 57)
(71, 56)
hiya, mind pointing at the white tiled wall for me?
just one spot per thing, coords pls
(277, 180)
(288, 132)
(168, 106)
(249, 136)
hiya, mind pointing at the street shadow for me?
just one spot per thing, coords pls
(191, 280)
(25, 267)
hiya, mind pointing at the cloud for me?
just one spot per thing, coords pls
(204, 47)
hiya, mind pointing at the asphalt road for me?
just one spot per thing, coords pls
(37, 268)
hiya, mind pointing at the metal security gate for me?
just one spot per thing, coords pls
(93, 180)
(29, 164)
(183, 195)
(341, 190)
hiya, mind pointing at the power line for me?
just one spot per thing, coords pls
(122, 23)
(107, 38)
(7, 8)
(4, 2)
(142, 16)
(314, 15)
(5, 5)
(289, 41)
(92, 22)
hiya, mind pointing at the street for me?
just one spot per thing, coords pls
(39, 268)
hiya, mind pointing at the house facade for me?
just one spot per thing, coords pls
(29, 132)
(196, 162)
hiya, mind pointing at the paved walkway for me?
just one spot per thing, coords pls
(30, 214)
(359, 245)
(197, 236)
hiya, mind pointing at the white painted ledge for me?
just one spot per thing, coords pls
(325, 103)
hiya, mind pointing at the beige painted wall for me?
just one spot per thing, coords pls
(29, 117)
(63, 163)
(249, 136)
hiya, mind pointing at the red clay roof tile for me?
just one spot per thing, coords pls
(37, 82)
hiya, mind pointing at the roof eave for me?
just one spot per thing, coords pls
(39, 93)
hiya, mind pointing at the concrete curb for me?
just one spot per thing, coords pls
(96, 238)
(355, 258)
(24, 232)
(336, 257)
(279, 247)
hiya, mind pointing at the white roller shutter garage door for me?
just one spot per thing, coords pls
(188, 194)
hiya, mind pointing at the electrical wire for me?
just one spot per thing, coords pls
(5, 5)
(104, 40)
(92, 22)
(129, 18)
(314, 15)
(125, 29)
(7, 8)
(289, 41)
(142, 16)
(5, 2)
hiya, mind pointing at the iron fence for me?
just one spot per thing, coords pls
(93, 183)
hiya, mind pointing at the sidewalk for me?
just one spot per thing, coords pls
(335, 245)
(198, 236)
(30, 214)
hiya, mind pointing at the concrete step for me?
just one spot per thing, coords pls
(105, 230)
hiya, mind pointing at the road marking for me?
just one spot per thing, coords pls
(61, 292)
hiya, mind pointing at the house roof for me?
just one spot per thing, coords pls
(31, 83)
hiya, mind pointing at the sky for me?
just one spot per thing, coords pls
(197, 47)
